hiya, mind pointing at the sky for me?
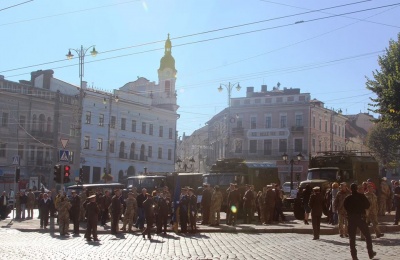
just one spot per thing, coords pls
(325, 48)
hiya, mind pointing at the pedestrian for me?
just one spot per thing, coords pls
(372, 211)
(206, 204)
(342, 214)
(163, 206)
(396, 202)
(334, 191)
(247, 204)
(18, 205)
(75, 211)
(63, 215)
(140, 218)
(39, 198)
(355, 205)
(131, 204)
(269, 203)
(105, 204)
(92, 214)
(215, 209)
(148, 207)
(384, 195)
(184, 210)
(3, 205)
(279, 204)
(192, 210)
(23, 201)
(316, 205)
(45, 206)
(233, 205)
(228, 212)
(115, 207)
(31, 203)
(306, 199)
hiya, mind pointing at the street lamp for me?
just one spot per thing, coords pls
(81, 55)
(229, 88)
(185, 166)
(285, 158)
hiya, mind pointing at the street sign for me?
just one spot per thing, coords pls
(64, 156)
(15, 160)
(64, 142)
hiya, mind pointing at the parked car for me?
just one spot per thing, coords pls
(286, 187)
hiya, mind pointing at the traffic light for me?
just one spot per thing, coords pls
(57, 173)
(17, 174)
(80, 174)
(67, 168)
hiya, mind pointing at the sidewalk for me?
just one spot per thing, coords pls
(290, 226)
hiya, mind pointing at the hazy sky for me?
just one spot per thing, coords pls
(325, 48)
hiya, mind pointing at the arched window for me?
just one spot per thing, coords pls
(120, 175)
(34, 122)
(122, 150)
(132, 152)
(167, 86)
(142, 150)
(49, 125)
(131, 171)
(42, 123)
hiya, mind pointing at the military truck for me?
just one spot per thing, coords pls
(339, 166)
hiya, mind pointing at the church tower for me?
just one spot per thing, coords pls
(166, 98)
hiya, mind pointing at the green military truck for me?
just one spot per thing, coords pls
(339, 166)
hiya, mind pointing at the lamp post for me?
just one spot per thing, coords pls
(179, 163)
(285, 158)
(81, 55)
(229, 88)
(108, 166)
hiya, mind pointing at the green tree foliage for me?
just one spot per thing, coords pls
(386, 86)
(380, 142)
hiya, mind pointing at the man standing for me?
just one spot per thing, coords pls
(115, 212)
(106, 201)
(233, 205)
(384, 195)
(148, 208)
(355, 205)
(316, 204)
(131, 204)
(372, 212)
(278, 204)
(216, 202)
(192, 210)
(3, 205)
(396, 201)
(248, 204)
(92, 214)
(45, 205)
(228, 212)
(140, 199)
(63, 208)
(206, 204)
(339, 200)
(23, 201)
(31, 203)
(270, 198)
(75, 211)
(184, 210)
(162, 216)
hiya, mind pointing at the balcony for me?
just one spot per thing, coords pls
(42, 136)
(297, 129)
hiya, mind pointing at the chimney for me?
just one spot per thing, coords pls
(250, 91)
(264, 88)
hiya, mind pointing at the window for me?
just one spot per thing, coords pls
(101, 120)
(112, 146)
(313, 121)
(268, 100)
(4, 119)
(335, 132)
(123, 123)
(3, 148)
(299, 120)
(34, 121)
(21, 151)
(239, 123)
(170, 133)
(133, 125)
(339, 130)
(320, 124)
(320, 146)
(268, 122)
(99, 144)
(267, 147)
(298, 145)
(160, 131)
(113, 121)
(290, 99)
(279, 100)
(326, 126)
(159, 153)
(238, 146)
(22, 120)
(282, 145)
(151, 129)
(283, 121)
(150, 151)
(313, 145)
(253, 122)
(169, 154)
(87, 142)
(253, 146)
(167, 86)
(88, 117)
(144, 128)
(49, 125)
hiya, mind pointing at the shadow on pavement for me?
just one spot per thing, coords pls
(344, 243)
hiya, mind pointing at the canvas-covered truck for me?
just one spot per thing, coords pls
(339, 166)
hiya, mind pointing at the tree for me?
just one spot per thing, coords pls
(380, 142)
(386, 86)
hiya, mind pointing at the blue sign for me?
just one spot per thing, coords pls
(64, 156)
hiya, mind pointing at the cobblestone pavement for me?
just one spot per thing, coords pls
(39, 245)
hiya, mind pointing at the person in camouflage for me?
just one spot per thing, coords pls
(372, 211)
(216, 202)
(342, 214)
(384, 195)
(31, 203)
(131, 204)
(63, 207)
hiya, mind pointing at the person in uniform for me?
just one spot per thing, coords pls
(3, 205)
(115, 211)
(248, 204)
(105, 204)
(228, 212)
(63, 208)
(148, 207)
(278, 204)
(163, 209)
(140, 215)
(82, 197)
(306, 199)
(261, 205)
(184, 210)
(23, 199)
(355, 205)
(396, 202)
(342, 218)
(270, 198)
(206, 204)
(75, 211)
(45, 205)
(384, 195)
(233, 205)
(92, 214)
(18, 205)
(216, 202)
(31, 203)
(316, 205)
(372, 211)
(192, 210)
(131, 204)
